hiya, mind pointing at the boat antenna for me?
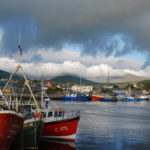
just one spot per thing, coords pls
(108, 79)
(80, 78)
(42, 84)
(80, 82)
(19, 44)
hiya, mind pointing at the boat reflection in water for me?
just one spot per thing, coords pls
(56, 145)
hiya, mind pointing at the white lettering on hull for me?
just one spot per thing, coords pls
(61, 129)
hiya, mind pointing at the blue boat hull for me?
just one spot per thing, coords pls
(142, 99)
(128, 99)
(78, 98)
(108, 99)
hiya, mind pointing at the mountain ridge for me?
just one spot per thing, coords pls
(73, 79)
(6, 75)
(76, 79)
(121, 79)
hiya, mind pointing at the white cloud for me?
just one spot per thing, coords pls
(56, 63)
(69, 64)
(50, 55)
(1, 37)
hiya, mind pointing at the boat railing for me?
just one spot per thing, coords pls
(71, 114)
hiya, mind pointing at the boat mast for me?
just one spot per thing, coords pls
(80, 78)
(80, 83)
(27, 84)
(129, 90)
(108, 79)
(42, 92)
(19, 67)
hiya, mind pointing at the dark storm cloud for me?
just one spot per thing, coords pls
(11, 35)
(93, 24)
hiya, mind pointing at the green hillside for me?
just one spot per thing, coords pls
(6, 75)
(69, 78)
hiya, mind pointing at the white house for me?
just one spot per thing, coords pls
(82, 89)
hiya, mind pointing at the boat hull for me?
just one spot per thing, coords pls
(29, 136)
(141, 99)
(128, 99)
(95, 98)
(108, 99)
(10, 124)
(77, 98)
(61, 130)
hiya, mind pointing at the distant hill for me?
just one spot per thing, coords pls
(76, 80)
(6, 75)
(102, 80)
(121, 79)
(128, 78)
(73, 79)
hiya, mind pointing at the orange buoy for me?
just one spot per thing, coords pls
(35, 114)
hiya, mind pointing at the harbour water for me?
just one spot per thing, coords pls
(108, 126)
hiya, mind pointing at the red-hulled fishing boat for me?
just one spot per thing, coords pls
(59, 124)
(10, 123)
(95, 98)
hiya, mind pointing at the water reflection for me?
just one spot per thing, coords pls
(56, 145)
(108, 126)
(113, 126)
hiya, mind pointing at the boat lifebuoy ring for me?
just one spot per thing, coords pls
(35, 114)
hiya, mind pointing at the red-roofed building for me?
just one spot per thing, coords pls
(49, 84)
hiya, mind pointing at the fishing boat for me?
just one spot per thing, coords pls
(95, 98)
(75, 96)
(128, 99)
(28, 137)
(141, 98)
(11, 122)
(129, 96)
(108, 99)
(59, 124)
(105, 97)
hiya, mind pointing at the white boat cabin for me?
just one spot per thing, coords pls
(53, 114)
(56, 114)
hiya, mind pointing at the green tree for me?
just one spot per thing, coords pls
(106, 90)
